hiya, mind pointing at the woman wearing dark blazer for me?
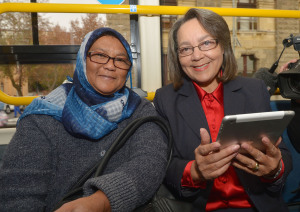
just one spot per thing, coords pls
(204, 89)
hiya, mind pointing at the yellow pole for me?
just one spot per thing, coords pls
(141, 9)
(25, 100)
(150, 96)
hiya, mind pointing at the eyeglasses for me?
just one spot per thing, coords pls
(101, 58)
(203, 46)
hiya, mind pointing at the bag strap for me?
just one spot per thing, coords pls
(128, 132)
(121, 139)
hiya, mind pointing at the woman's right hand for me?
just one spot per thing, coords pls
(211, 161)
(97, 202)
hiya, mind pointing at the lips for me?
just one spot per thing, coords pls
(201, 67)
(107, 76)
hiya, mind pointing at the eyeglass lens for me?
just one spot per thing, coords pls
(119, 62)
(203, 46)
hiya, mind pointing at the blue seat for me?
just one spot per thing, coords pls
(293, 180)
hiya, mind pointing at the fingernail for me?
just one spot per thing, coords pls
(217, 144)
(235, 147)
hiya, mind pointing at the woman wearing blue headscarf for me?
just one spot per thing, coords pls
(61, 136)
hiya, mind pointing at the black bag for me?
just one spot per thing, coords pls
(163, 201)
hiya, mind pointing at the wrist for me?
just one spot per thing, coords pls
(101, 199)
(274, 176)
(195, 174)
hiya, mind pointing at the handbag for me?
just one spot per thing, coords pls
(163, 200)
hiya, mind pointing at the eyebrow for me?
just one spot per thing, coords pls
(200, 40)
(106, 52)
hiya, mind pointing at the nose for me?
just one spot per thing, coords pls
(197, 54)
(110, 64)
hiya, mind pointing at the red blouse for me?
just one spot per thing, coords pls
(227, 192)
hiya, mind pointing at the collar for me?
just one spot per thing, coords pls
(217, 93)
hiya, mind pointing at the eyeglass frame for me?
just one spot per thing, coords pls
(108, 59)
(199, 47)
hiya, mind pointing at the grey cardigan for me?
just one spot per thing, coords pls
(43, 161)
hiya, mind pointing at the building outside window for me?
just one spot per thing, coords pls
(167, 22)
(246, 23)
(247, 65)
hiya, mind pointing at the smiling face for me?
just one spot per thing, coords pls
(202, 67)
(106, 78)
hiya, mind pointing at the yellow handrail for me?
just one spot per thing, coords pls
(150, 96)
(128, 9)
(25, 100)
(141, 9)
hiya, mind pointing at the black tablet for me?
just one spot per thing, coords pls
(252, 127)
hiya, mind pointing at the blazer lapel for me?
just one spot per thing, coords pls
(234, 102)
(190, 108)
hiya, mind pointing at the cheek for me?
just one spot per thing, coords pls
(90, 71)
(88, 68)
(220, 59)
(183, 62)
(123, 78)
(219, 54)
(217, 57)
(89, 75)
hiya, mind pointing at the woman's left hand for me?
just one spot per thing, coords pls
(259, 163)
(97, 202)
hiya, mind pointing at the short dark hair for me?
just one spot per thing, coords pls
(217, 27)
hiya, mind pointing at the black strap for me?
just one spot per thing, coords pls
(76, 190)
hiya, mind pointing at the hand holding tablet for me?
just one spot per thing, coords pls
(252, 127)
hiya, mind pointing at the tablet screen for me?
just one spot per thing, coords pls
(253, 126)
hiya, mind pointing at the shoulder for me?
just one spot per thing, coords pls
(246, 83)
(165, 90)
(248, 80)
(41, 123)
(145, 104)
(253, 92)
(165, 94)
(145, 108)
(37, 119)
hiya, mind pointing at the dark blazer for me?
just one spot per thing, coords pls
(185, 114)
(293, 128)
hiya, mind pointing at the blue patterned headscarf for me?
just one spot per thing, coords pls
(83, 111)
